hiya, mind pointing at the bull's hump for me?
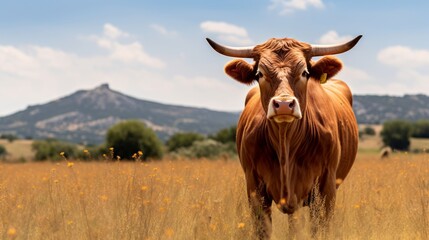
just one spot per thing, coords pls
(254, 91)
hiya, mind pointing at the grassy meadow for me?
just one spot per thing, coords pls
(183, 199)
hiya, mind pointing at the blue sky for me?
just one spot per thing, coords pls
(156, 50)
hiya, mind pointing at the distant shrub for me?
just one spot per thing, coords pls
(182, 140)
(9, 137)
(90, 153)
(225, 135)
(207, 148)
(396, 134)
(129, 137)
(366, 131)
(420, 129)
(3, 151)
(50, 149)
(369, 131)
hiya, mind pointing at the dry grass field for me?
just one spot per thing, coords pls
(18, 150)
(381, 199)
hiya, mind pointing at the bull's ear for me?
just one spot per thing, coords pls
(325, 68)
(240, 70)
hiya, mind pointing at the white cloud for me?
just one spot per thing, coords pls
(355, 74)
(290, 6)
(113, 32)
(223, 28)
(210, 91)
(38, 74)
(404, 57)
(227, 32)
(411, 67)
(162, 30)
(332, 37)
(125, 52)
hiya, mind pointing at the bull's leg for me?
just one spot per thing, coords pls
(322, 203)
(294, 232)
(260, 204)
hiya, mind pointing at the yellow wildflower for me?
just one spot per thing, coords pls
(241, 225)
(103, 198)
(70, 164)
(140, 153)
(212, 226)
(11, 232)
(169, 232)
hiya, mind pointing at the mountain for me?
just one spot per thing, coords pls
(85, 115)
(374, 109)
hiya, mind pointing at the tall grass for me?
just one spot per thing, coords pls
(380, 199)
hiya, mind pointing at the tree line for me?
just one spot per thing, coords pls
(126, 139)
(132, 139)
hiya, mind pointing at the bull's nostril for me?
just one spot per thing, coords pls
(276, 104)
(292, 104)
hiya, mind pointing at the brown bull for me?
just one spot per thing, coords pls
(297, 134)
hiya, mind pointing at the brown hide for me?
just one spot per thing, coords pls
(323, 142)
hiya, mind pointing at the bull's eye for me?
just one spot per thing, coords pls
(305, 74)
(258, 75)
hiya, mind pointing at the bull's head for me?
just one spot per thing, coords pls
(282, 68)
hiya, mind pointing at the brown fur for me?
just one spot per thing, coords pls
(287, 160)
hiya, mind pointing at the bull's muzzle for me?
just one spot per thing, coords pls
(284, 108)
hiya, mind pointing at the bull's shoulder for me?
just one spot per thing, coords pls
(338, 89)
(252, 92)
(251, 125)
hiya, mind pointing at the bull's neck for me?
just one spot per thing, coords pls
(285, 133)
(285, 139)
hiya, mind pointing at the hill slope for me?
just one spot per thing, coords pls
(84, 116)
(373, 109)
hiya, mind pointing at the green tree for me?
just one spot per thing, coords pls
(50, 149)
(9, 137)
(369, 131)
(182, 140)
(129, 137)
(396, 134)
(225, 135)
(3, 151)
(421, 129)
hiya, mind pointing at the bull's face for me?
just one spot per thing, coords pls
(282, 73)
(283, 68)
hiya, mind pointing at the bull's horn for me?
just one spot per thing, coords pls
(321, 50)
(241, 52)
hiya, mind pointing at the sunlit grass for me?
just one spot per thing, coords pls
(18, 150)
(380, 199)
